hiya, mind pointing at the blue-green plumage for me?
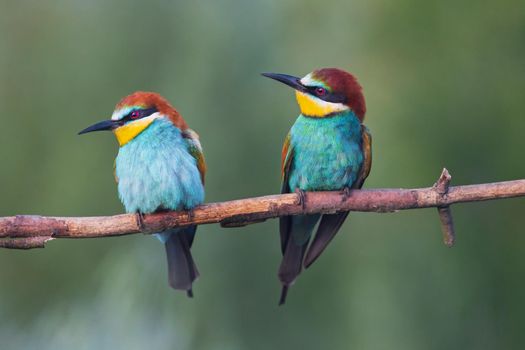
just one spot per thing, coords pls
(326, 155)
(327, 149)
(160, 166)
(327, 152)
(156, 171)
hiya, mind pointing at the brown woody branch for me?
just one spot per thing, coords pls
(445, 214)
(27, 231)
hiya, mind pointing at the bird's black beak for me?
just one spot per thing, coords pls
(103, 125)
(289, 80)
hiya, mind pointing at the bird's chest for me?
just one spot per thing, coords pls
(155, 173)
(327, 153)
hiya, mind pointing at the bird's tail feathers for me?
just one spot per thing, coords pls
(295, 236)
(328, 227)
(284, 293)
(291, 266)
(182, 271)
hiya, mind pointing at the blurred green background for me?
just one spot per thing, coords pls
(445, 86)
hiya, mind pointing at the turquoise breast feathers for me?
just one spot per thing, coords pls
(327, 152)
(155, 170)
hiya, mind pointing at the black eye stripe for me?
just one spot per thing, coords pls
(328, 96)
(143, 113)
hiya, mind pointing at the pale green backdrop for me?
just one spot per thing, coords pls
(445, 86)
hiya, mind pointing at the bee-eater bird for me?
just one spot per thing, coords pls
(159, 166)
(327, 149)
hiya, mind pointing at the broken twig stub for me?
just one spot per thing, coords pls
(445, 214)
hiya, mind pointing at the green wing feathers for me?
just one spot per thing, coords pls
(195, 149)
(286, 162)
(366, 146)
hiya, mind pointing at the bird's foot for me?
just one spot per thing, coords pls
(302, 197)
(191, 214)
(140, 221)
(347, 191)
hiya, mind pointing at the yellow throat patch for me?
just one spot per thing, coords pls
(129, 131)
(313, 107)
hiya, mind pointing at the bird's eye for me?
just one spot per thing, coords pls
(320, 91)
(134, 114)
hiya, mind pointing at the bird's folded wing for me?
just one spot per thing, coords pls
(331, 223)
(366, 146)
(286, 165)
(195, 149)
(115, 170)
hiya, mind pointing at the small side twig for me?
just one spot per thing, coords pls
(445, 214)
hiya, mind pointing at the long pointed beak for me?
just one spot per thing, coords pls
(103, 125)
(289, 80)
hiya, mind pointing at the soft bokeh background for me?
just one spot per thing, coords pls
(445, 86)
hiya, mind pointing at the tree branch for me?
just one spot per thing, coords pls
(28, 231)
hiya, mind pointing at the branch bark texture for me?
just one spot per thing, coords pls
(29, 231)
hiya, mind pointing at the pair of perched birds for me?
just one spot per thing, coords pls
(160, 165)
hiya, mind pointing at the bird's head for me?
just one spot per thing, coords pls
(325, 92)
(134, 113)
